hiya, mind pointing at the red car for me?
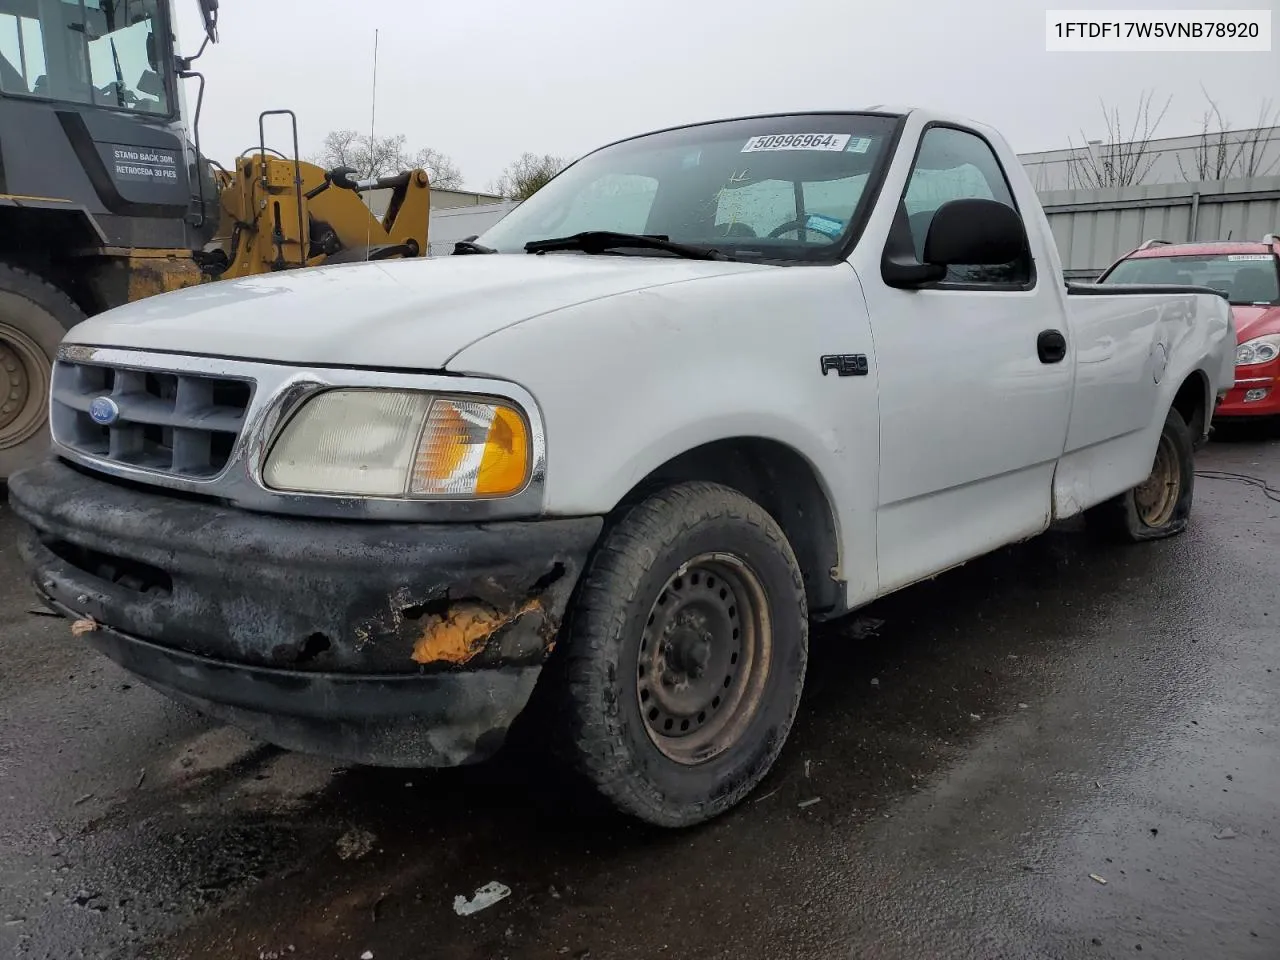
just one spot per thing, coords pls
(1249, 274)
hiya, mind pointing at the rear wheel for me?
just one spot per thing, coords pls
(684, 655)
(34, 315)
(1160, 506)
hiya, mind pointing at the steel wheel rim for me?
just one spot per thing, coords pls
(1157, 498)
(24, 385)
(704, 658)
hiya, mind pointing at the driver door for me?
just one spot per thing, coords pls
(973, 418)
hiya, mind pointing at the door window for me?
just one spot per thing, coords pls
(958, 165)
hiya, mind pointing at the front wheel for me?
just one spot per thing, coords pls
(684, 655)
(34, 315)
(1161, 505)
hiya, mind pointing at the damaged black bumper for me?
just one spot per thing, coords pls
(387, 643)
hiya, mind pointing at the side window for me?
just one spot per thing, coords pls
(21, 53)
(124, 63)
(956, 165)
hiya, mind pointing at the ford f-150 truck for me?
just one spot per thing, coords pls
(707, 385)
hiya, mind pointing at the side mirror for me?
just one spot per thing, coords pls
(976, 231)
(209, 11)
(969, 231)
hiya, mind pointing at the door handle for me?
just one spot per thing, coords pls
(1051, 345)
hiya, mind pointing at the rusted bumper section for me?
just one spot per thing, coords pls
(395, 644)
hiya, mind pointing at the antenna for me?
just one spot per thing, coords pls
(373, 117)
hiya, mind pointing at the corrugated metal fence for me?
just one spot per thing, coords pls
(1094, 227)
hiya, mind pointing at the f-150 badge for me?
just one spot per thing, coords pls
(845, 364)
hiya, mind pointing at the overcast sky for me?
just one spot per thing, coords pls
(485, 80)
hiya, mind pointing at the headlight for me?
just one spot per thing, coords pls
(401, 443)
(1258, 350)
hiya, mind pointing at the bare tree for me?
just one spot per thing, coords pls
(1221, 153)
(1209, 159)
(442, 171)
(526, 176)
(369, 157)
(381, 156)
(1125, 157)
(1253, 156)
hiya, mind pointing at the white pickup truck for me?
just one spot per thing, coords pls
(708, 384)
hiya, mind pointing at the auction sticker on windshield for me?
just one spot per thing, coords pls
(828, 225)
(797, 141)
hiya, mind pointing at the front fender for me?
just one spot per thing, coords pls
(627, 383)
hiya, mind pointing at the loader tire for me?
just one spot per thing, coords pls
(1160, 506)
(34, 314)
(684, 655)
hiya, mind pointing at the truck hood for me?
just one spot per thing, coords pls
(1255, 321)
(407, 314)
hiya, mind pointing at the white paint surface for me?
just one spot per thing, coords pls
(957, 441)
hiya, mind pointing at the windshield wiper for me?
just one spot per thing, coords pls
(470, 246)
(115, 57)
(598, 241)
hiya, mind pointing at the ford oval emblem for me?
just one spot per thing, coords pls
(104, 411)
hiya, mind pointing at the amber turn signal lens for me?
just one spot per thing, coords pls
(471, 448)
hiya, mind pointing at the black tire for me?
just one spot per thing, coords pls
(34, 315)
(599, 681)
(1161, 506)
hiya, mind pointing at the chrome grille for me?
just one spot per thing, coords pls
(184, 424)
(203, 425)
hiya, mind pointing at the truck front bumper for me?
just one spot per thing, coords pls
(394, 644)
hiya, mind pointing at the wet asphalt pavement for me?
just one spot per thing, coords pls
(985, 750)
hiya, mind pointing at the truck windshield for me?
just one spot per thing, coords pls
(107, 53)
(1245, 278)
(776, 188)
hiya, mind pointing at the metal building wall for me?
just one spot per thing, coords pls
(451, 225)
(1094, 227)
(1171, 159)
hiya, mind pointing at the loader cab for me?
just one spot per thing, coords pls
(90, 119)
(93, 53)
(103, 197)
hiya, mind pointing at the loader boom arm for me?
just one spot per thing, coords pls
(265, 214)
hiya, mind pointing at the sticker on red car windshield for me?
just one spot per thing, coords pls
(796, 141)
(1248, 256)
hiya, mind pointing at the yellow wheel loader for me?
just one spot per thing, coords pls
(105, 197)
